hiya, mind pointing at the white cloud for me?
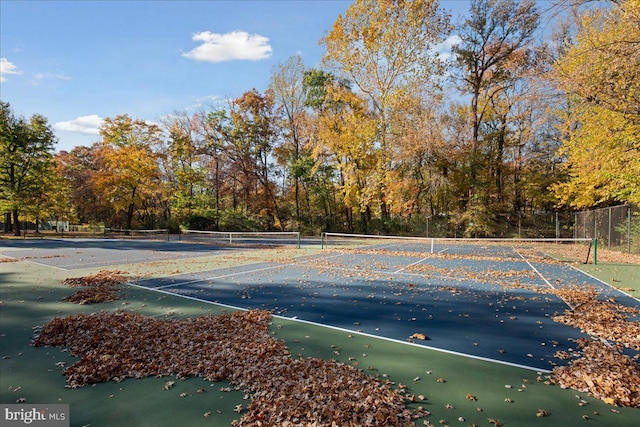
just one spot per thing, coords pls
(84, 124)
(444, 49)
(7, 67)
(40, 77)
(236, 45)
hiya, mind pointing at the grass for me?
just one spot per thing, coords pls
(31, 295)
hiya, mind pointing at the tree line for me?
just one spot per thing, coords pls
(385, 137)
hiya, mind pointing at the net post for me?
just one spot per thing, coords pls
(595, 251)
(432, 239)
(298, 239)
(322, 237)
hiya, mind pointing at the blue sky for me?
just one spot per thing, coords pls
(78, 62)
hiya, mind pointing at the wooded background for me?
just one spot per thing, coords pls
(518, 123)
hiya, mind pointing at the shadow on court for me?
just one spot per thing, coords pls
(476, 318)
(69, 254)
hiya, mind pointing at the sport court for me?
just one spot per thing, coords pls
(489, 302)
(478, 301)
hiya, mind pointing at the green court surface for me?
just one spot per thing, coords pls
(31, 294)
(625, 277)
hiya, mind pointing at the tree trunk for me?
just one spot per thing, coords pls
(16, 223)
(217, 178)
(130, 211)
(297, 194)
(7, 222)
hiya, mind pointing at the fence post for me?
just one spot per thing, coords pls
(629, 229)
(609, 230)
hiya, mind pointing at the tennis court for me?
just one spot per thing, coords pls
(490, 305)
(488, 301)
(494, 305)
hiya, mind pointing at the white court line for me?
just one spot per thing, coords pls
(33, 262)
(45, 265)
(312, 258)
(605, 283)
(50, 266)
(410, 265)
(239, 273)
(545, 279)
(337, 328)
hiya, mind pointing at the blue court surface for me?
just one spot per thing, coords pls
(496, 309)
(496, 305)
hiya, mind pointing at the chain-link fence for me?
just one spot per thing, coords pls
(615, 227)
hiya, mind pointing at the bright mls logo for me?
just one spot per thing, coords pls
(34, 415)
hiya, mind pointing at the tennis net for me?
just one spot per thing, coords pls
(243, 238)
(124, 233)
(564, 250)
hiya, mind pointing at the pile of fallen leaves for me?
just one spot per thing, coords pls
(600, 367)
(100, 287)
(236, 346)
(603, 371)
(603, 319)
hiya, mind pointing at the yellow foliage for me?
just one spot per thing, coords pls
(601, 75)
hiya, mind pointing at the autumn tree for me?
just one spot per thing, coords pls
(288, 90)
(491, 57)
(26, 163)
(79, 168)
(187, 170)
(421, 179)
(600, 74)
(324, 176)
(128, 177)
(345, 142)
(54, 202)
(251, 140)
(386, 49)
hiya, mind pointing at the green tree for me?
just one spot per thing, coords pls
(26, 162)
